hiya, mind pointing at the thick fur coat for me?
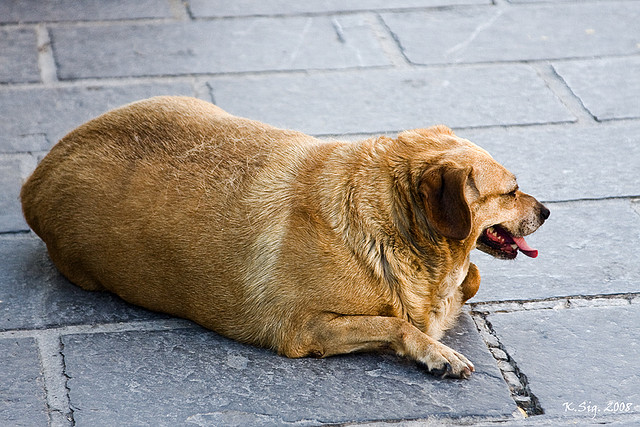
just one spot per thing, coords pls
(273, 237)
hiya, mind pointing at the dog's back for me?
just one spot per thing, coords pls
(129, 197)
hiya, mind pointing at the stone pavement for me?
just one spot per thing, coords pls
(551, 89)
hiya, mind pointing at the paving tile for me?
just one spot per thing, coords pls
(35, 295)
(547, 1)
(33, 119)
(586, 248)
(18, 55)
(392, 100)
(222, 8)
(13, 171)
(22, 395)
(12, 143)
(627, 420)
(635, 203)
(83, 10)
(609, 88)
(547, 31)
(580, 363)
(567, 162)
(253, 44)
(205, 379)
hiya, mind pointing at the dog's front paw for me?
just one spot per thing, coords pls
(444, 362)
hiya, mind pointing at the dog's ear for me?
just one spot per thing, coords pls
(443, 191)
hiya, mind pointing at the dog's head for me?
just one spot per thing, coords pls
(460, 192)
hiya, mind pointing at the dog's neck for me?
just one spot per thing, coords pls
(359, 182)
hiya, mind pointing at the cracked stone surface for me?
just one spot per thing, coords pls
(315, 103)
(13, 170)
(580, 362)
(18, 55)
(34, 295)
(579, 255)
(206, 378)
(565, 163)
(222, 8)
(550, 89)
(22, 394)
(485, 34)
(37, 118)
(70, 10)
(597, 83)
(285, 43)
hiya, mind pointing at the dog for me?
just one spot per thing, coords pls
(273, 237)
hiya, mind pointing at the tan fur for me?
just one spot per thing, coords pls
(273, 237)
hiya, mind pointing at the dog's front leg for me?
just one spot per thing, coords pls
(471, 283)
(334, 334)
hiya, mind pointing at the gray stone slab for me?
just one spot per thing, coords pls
(33, 119)
(196, 47)
(13, 171)
(630, 420)
(18, 55)
(546, 31)
(22, 395)
(222, 8)
(548, 1)
(568, 162)
(392, 100)
(609, 88)
(84, 10)
(35, 295)
(586, 248)
(195, 376)
(580, 363)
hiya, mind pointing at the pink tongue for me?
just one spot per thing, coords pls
(524, 247)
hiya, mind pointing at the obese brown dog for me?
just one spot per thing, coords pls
(273, 237)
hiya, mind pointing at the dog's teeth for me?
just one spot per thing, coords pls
(514, 246)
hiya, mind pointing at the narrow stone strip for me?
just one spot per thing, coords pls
(51, 354)
(202, 90)
(556, 303)
(55, 380)
(561, 89)
(388, 41)
(516, 380)
(144, 325)
(46, 61)
(635, 204)
(179, 10)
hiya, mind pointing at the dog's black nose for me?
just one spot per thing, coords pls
(544, 212)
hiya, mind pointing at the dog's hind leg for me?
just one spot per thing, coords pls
(73, 269)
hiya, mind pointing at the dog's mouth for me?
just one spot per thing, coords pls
(500, 243)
